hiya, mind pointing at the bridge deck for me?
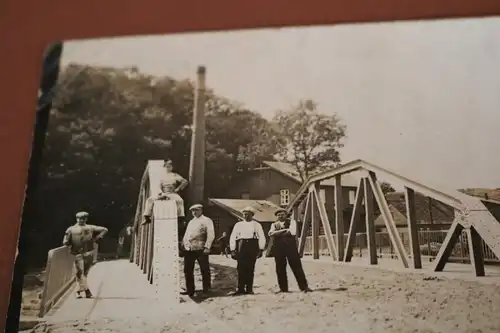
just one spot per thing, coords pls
(120, 289)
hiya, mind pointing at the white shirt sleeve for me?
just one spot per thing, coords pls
(210, 233)
(272, 229)
(185, 239)
(262, 236)
(232, 238)
(293, 227)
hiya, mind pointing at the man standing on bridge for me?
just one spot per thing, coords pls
(196, 243)
(80, 238)
(285, 249)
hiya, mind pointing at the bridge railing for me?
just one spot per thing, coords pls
(143, 236)
(429, 243)
(59, 277)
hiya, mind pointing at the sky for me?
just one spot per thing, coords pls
(421, 98)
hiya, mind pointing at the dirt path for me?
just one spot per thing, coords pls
(357, 299)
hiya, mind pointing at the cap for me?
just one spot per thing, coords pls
(280, 210)
(248, 209)
(197, 206)
(82, 214)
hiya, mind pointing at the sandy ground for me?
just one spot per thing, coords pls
(345, 299)
(358, 299)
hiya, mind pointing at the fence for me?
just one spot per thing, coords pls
(59, 277)
(429, 243)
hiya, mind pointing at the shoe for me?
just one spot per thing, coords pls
(238, 293)
(78, 294)
(307, 290)
(249, 292)
(185, 293)
(88, 294)
(147, 220)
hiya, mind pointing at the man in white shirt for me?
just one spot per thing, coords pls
(196, 243)
(285, 249)
(81, 238)
(247, 242)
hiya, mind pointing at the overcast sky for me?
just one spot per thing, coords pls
(420, 98)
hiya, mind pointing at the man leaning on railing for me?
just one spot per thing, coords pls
(81, 238)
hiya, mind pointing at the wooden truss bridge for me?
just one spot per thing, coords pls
(470, 214)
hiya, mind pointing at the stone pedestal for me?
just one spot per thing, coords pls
(166, 280)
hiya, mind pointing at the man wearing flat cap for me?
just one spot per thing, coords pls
(196, 244)
(285, 249)
(247, 242)
(80, 238)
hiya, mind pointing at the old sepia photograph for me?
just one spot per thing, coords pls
(311, 179)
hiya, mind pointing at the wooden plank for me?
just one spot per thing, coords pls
(326, 226)
(448, 244)
(339, 216)
(370, 222)
(305, 226)
(412, 228)
(315, 224)
(475, 251)
(389, 221)
(351, 237)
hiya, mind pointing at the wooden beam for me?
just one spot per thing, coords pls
(326, 226)
(356, 212)
(315, 223)
(305, 226)
(475, 251)
(389, 221)
(412, 228)
(448, 244)
(339, 216)
(370, 222)
(451, 199)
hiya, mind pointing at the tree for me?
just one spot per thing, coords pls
(308, 139)
(387, 188)
(106, 123)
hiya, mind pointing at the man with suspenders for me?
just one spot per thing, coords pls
(247, 242)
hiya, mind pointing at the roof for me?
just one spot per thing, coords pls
(264, 210)
(441, 212)
(398, 217)
(289, 170)
(486, 194)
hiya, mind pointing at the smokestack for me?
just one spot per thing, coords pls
(197, 159)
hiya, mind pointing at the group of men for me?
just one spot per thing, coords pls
(247, 242)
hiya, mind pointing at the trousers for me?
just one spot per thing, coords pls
(83, 263)
(190, 258)
(148, 210)
(246, 259)
(285, 251)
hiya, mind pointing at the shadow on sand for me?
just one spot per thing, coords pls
(224, 281)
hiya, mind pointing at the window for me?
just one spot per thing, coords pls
(216, 221)
(284, 197)
(322, 196)
(352, 197)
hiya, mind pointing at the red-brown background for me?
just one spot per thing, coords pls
(24, 34)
